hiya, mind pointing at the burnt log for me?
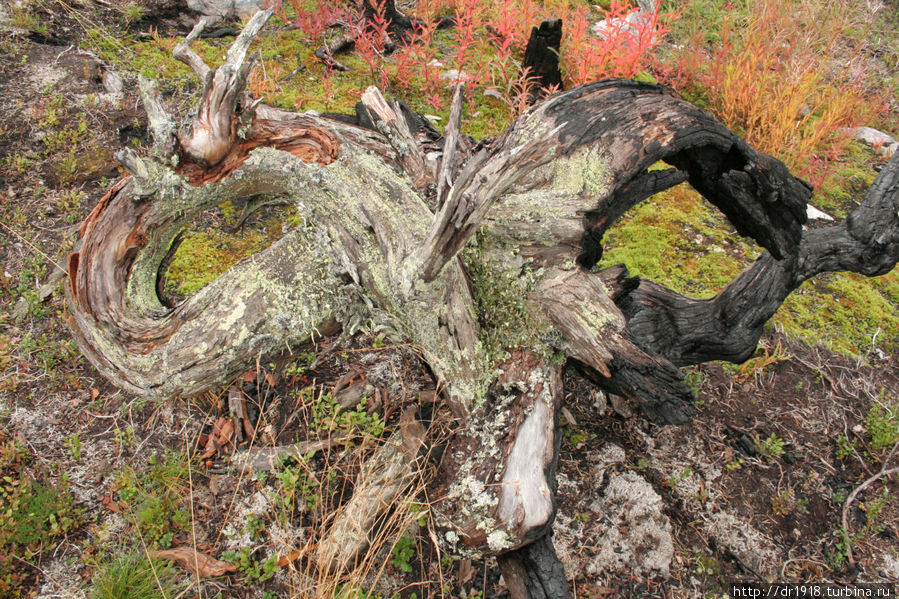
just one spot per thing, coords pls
(382, 243)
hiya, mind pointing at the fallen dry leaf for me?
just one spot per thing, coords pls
(95, 393)
(271, 379)
(209, 447)
(195, 562)
(109, 503)
(290, 557)
(222, 432)
(226, 433)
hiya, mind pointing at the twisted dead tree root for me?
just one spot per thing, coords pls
(530, 208)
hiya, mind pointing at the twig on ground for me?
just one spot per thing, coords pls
(870, 481)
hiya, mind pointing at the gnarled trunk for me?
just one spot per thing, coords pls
(375, 247)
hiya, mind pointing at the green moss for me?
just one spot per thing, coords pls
(493, 117)
(672, 239)
(313, 88)
(846, 312)
(679, 240)
(153, 59)
(200, 259)
(205, 255)
(846, 187)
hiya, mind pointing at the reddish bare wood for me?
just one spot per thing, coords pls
(308, 142)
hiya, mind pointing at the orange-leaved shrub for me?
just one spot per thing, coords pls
(623, 46)
(486, 43)
(774, 80)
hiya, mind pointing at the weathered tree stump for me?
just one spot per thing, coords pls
(531, 207)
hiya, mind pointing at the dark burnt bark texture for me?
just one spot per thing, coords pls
(541, 59)
(384, 225)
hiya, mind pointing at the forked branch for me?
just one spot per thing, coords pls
(729, 325)
(212, 133)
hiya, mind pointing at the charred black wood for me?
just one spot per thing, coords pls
(728, 326)
(534, 571)
(541, 59)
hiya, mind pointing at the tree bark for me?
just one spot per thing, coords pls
(382, 245)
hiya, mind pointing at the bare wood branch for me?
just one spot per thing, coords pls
(267, 459)
(238, 50)
(882, 473)
(162, 124)
(450, 139)
(497, 490)
(480, 183)
(213, 131)
(577, 303)
(597, 335)
(383, 478)
(390, 122)
(728, 326)
(184, 53)
(326, 53)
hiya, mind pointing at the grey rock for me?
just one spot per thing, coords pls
(224, 8)
(46, 291)
(112, 83)
(624, 407)
(882, 142)
(600, 402)
(629, 28)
